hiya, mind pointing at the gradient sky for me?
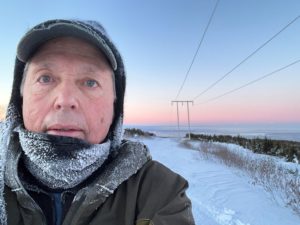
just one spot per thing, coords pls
(158, 39)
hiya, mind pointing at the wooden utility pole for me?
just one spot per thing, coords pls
(188, 111)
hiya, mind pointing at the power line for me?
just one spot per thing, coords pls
(199, 45)
(251, 82)
(248, 57)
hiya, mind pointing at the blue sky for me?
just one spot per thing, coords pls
(158, 40)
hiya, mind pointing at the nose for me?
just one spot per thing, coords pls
(66, 97)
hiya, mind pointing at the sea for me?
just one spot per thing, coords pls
(290, 132)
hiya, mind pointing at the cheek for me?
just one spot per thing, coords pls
(101, 114)
(99, 119)
(33, 113)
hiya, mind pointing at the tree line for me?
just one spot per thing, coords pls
(282, 148)
(132, 132)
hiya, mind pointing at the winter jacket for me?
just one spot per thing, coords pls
(153, 195)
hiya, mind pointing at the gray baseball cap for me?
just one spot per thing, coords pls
(86, 30)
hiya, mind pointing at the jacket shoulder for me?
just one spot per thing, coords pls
(154, 172)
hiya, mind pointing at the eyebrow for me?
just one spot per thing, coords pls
(87, 69)
(46, 65)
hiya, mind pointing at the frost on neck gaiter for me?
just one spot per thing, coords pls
(61, 162)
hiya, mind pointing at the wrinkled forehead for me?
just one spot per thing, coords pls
(71, 45)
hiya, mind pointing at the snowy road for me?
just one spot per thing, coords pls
(219, 195)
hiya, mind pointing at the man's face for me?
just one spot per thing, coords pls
(68, 91)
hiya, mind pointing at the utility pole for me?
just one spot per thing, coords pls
(188, 111)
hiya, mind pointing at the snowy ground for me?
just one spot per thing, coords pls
(220, 195)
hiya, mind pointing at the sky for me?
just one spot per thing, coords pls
(158, 40)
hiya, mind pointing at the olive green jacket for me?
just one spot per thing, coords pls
(153, 195)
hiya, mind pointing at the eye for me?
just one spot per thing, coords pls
(91, 83)
(45, 79)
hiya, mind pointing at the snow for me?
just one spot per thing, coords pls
(220, 195)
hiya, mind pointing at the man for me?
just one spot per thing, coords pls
(62, 157)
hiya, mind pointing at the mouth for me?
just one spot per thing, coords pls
(65, 130)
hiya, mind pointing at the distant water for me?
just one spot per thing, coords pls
(289, 132)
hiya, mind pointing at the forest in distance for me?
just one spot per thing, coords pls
(290, 150)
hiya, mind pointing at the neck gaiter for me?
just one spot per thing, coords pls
(60, 162)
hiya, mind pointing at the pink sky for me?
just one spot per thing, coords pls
(258, 112)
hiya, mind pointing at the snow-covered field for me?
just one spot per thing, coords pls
(220, 195)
